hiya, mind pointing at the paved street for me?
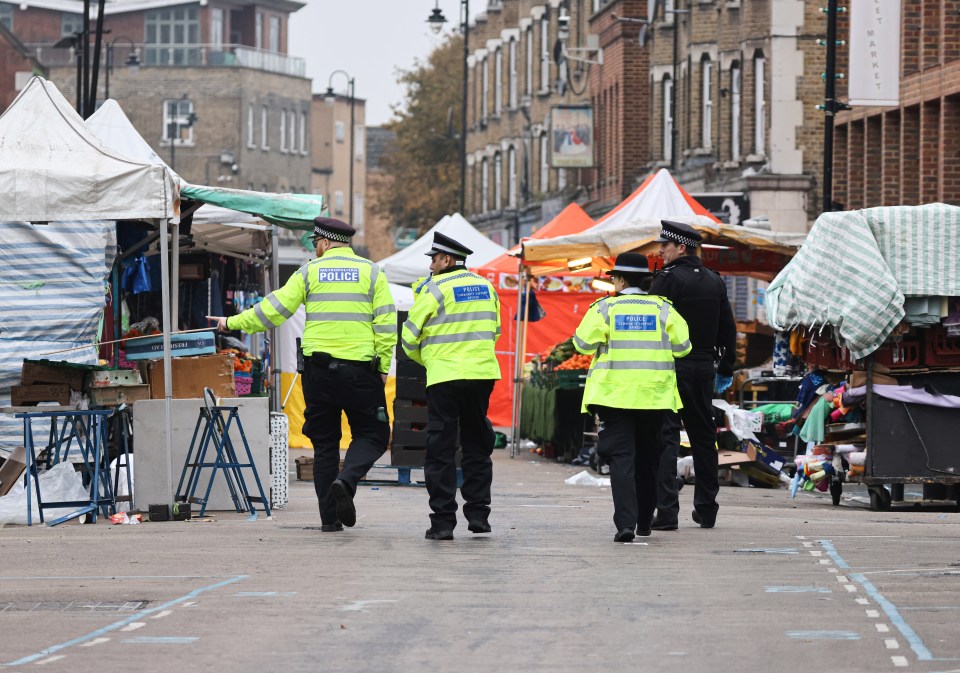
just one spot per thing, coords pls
(779, 585)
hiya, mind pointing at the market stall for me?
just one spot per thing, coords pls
(885, 343)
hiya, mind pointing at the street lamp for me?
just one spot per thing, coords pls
(329, 98)
(436, 21)
(175, 125)
(133, 61)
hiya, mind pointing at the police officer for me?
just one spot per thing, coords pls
(348, 341)
(631, 385)
(700, 296)
(451, 330)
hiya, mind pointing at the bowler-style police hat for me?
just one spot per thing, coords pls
(445, 245)
(630, 263)
(679, 233)
(332, 229)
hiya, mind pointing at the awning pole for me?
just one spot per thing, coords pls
(174, 276)
(275, 333)
(167, 360)
(520, 356)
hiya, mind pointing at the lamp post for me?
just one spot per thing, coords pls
(436, 21)
(133, 61)
(329, 98)
(176, 125)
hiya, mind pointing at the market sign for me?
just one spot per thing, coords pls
(728, 207)
(875, 52)
(571, 131)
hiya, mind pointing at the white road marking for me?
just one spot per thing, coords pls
(832, 570)
(882, 628)
(807, 544)
(801, 537)
(133, 626)
(95, 641)
(842, 578)
(873, 614)
(850, 588)
(816, 553)
(361, 606)
(863, 601)
(891, 643)
(825, 561)
(55, 657)
(188, 604)
(899, 661)
(162, 614)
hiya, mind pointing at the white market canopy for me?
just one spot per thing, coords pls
(115, 130)
(411, 263)
(54, 168)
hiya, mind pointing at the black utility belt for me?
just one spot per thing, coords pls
(327, 361)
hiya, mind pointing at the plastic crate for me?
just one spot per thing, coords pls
(571, 378)
(821, 353)
(902, 354)
(941, 350)
(244, 383)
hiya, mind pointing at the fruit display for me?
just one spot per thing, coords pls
(578, 361)
(564, 356)
(242, 361)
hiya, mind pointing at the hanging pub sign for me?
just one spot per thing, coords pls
(571, 131)
(728, 207)
(874, 52)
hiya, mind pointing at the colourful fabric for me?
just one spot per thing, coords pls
(636, 338)
(814, 428)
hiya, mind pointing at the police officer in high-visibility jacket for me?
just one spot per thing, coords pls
(630, 386)
(348, 341)
(451, 330)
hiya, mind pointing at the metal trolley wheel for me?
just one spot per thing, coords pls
(879, 498)
(836, 489)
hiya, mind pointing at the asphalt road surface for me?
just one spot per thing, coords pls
(778, 585)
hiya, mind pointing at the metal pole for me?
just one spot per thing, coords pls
(353, 137)
(78, 54)
(167, 360)
(175, 274)
(98, 43)
(85, 50)
(830, 86)
(275, 338)
(465, 29)
(674, 131)
(106, 74)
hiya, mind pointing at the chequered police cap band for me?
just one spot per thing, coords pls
(326, 233)
(679, 239)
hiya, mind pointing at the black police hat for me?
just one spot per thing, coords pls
(332, 229)
(630, 263)
(679, 233)
(445, 245)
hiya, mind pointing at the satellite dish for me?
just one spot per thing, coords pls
(643, 36)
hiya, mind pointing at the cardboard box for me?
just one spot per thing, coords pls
(31, 395)
(110, 396)
(192, 375)
(304, 468)
(181, 345)
(48, 371)
(764, 455)
(12, 469)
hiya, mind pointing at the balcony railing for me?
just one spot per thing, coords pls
(193, 55)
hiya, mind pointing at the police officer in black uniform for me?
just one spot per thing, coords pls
(700, 296)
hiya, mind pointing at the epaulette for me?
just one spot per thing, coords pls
(598, 301)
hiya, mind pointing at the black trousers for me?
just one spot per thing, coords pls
(695, 381)
(327, 393)
(630, 444)
(458, 406)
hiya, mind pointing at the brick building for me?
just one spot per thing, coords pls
(331, 160)
(17, 63)
(908, 154)
(380, 236)
(735, 111)
(513, 81)
(225, 63)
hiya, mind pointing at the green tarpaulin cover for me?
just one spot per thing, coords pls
(292, 211)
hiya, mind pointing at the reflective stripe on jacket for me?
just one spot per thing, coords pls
(636, 338)
(350, 311)
(453, 327)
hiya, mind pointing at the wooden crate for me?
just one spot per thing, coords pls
(21, 396)
(33, 373)
(110, 396)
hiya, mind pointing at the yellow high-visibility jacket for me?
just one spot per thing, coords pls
(350, 311)
(453, 327)
(636, 338)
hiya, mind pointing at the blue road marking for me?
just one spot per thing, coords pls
(763, 550)
(123, 622)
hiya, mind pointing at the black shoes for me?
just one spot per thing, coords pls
(331, 527)
(703, 523)
(663, 524)
(625, 535)
(478, 527)
(346, 512)
(643, 533)
(434, 534)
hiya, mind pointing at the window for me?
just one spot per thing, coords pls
(172, 36)
(667, 119)
(706, 102)
(497, 181)
(358, 212)
(485, 92)
(251, 140)
(759, 105)
(735, 111)
(561, 179)
(512, 178)
(6, 15)
(338, 132)
(264, 120)
(528, 80)
(303, 133)
(283, 130)
(216, 28)
(544, 164)
(274, 45)
(498, 81)
(338, 203)
(292, 121)
(178, 122)
(358, 141)
(513, 75)
(484, 186)
(544, 54)
(70, 24)
(258, 39)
